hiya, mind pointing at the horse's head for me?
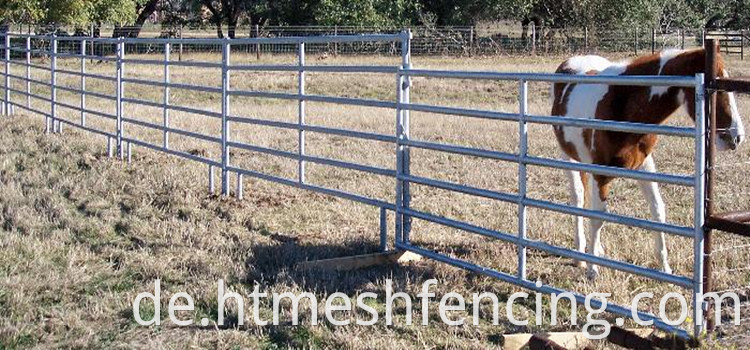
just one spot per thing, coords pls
(729, 126)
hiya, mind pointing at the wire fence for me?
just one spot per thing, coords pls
(428, 40)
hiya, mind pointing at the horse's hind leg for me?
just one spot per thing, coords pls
(658, 213)
(577, 186)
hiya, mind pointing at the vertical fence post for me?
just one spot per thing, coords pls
(167, 50)
(699, 205)
(402, 135)
(240, 188)
(383, 230)
(225, 52)
(257, 45)
(301, 112)
(119, 94)
(6, 51)
(742, 45)
(682, 39)
(28, 72)
(586, 38)
(179, 55)
(522, 150)
(335, 44)
(49, 122)
(472, 34)
(83, 83)
(653, 40)
(710, 152)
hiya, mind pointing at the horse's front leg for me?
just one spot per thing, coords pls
(577, 182)
(598, 193)
(658, 213)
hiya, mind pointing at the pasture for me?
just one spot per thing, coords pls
(83, 234)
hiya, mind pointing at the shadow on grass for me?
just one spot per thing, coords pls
(269, 263)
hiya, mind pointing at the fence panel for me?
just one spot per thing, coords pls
(402, 140)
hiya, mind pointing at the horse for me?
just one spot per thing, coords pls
(640, 104)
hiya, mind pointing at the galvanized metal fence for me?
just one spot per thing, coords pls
(118, 138)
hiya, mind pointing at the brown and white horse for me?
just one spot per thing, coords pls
(640, 104)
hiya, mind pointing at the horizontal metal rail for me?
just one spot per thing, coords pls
(321, 189)
(30, 80)
(88, 111)
(172, 130)
(560, 208)
(198, 64)
(162, 84)
(508, 278)
(24, 93)
(173, 107)
(314, 159)
(614, 218)
(331, 69)
(628, 80)
(88, 57)
(88, 93)
(555, 250)
(86, 128)
(30, 109)
(35, 66)
(315, 98)
(557, 164)
(315, 128)
(599, 124)
(87, 75)
(172, 151)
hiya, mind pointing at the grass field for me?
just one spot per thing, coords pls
(83, 234)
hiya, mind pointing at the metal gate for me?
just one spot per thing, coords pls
(76, 50)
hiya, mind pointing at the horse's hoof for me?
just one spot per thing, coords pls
(579, 263)
(592, 274)
(667, 269)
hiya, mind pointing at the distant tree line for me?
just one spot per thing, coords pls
(129, 16)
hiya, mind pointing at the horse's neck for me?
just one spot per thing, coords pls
(663, 102)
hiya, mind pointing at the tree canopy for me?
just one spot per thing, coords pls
(232, 13)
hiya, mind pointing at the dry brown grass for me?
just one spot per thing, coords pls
(82, 235)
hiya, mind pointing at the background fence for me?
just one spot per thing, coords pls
(430, 40)
(28, 57)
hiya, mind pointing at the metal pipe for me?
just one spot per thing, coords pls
(711, 49)
(301, 112)
(6, 103)
(211, 188)
(28, 72)
(53, 85)
(225, 52)
(698, 205)
(629, 80)
(83, 83)
(383, 230)
(595, 303)
(240, 189)
(522, 152)
(119, 97)
(406, 158)
(167, 51)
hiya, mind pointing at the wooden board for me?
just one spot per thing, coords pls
(354, 262)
